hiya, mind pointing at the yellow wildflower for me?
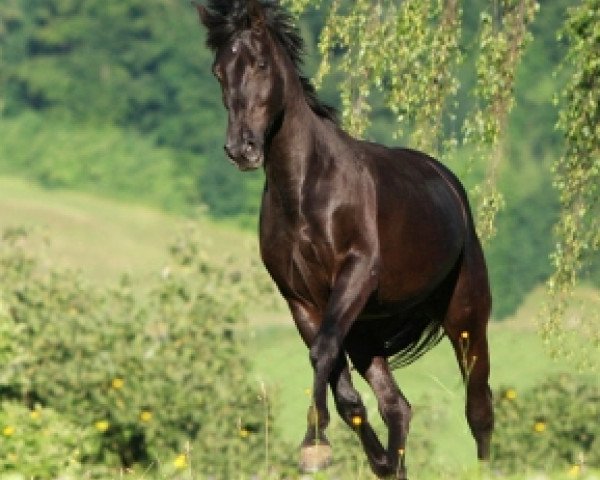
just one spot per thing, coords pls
(180, 461)
(244, 433)
(8, 431)
(539, 426)
(117, 383)
(102, 425)
(145, 416)
(510, 394)
(357, 420)
(574, 471)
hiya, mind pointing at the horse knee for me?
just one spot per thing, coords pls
(324, 351)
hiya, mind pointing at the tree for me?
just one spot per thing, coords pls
(577, 172)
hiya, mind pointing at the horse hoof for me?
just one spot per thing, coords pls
(315, 457)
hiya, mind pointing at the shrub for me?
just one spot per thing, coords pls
(40, 443)
(553, 426)
(157, 378)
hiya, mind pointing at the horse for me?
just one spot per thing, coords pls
(374, 249)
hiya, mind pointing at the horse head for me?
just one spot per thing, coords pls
(247, 66)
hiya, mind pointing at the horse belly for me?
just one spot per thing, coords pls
(416, 255)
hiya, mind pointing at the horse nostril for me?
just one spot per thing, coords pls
(227, 148)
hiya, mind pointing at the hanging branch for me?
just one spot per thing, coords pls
(358, 35)
(409, 52)
(408, 64)
(361, 32)
(577, 173)
(422, 68)
(502, 41)
(440, 81)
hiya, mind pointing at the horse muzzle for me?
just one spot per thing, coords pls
(246, 156)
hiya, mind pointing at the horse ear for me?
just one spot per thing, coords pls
(257, 15)
(202, 12)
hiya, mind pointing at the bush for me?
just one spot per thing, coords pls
(40, 443)
(152, 379)
(553, 426)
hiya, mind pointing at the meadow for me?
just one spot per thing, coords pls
(104, 239)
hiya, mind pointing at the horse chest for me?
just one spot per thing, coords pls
(301, 267)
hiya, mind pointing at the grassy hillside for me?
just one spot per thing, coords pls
(104, 239)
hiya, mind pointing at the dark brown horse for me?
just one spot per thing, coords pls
(373, 248)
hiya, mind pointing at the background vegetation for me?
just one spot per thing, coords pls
(116, 99)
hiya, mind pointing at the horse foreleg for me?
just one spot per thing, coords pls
(354, 284)
(315, 451)
(396, 413)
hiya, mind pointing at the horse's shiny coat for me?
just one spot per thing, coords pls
(373, 248)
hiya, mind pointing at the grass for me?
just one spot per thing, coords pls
(518, 357)
(104, 239)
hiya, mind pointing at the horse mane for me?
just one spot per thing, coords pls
(227, 18)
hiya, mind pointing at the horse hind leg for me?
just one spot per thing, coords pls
(472, 353)
(466, 327)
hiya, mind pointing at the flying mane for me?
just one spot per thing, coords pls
(227, 18)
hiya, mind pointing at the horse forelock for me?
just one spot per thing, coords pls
(227, 18)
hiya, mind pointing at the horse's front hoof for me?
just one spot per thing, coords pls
(315, 457)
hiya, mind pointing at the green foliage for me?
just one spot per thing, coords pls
(150, 379)
(577, 173)
(516, 256)
(408, 52)
(40, 443)
(551, 427)
(109, 83)
(502, 40)
(103, 160)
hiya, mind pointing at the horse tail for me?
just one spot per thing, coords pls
(414, 341)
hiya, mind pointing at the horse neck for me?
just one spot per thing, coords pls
(292, 152)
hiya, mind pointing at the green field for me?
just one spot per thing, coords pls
(104, 239)
(518, 357)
